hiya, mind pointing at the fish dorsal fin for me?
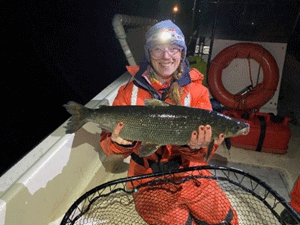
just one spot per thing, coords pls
(155, 102)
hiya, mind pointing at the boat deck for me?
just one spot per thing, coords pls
(278, 171)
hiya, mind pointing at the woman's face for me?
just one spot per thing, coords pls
(165, 60)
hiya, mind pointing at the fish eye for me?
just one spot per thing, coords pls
(238, 127)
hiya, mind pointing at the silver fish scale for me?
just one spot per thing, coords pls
(161, 125)
(159, 128)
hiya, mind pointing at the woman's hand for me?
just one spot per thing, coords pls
(116, 138)
(203, 138)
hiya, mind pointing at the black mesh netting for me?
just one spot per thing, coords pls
(198, 195)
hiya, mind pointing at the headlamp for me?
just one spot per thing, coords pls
(165, 36)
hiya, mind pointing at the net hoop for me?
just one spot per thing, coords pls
(232, 175)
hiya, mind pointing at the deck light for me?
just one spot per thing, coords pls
(175, 9)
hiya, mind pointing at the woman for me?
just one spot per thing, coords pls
(165, 75)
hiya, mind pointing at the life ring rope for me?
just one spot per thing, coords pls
(241, 99)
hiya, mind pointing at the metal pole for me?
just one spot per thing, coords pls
(213, 35)
(118, 23)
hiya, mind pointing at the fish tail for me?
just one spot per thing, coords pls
(79, 116)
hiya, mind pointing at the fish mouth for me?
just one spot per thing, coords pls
(245, 130)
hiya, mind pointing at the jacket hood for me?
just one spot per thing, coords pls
(137, 72)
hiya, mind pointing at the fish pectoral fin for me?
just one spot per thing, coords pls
(148, 149)
(155, 102)
(209, 149)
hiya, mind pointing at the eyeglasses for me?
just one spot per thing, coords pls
(158, 52)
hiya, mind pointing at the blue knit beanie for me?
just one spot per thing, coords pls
(164, 32)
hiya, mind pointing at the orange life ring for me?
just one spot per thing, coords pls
(260, 94)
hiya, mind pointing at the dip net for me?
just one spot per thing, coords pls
(197, 195)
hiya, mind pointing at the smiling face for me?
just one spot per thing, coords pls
(165, 60)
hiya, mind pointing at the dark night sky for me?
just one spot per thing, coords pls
(54, 52)
(57, 51)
